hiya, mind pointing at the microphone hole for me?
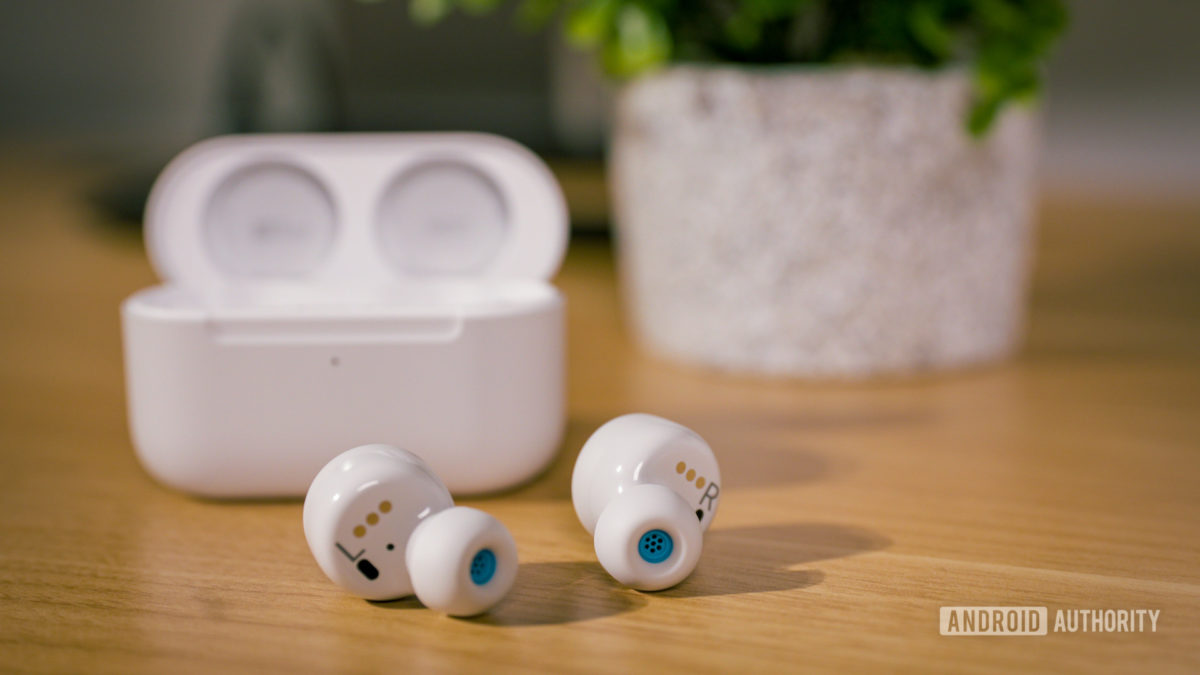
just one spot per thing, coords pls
(368, 570)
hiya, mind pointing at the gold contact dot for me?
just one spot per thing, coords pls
(700, 482)
(691, 474)
(680, 467)
(372, 518)
(359, 530)
(385, 506)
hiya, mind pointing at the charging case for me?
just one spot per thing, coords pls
(331, 290)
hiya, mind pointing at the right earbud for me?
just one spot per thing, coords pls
(647, 488)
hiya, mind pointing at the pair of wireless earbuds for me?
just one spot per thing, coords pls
(383, 526)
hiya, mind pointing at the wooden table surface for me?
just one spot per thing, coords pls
(1069, 478)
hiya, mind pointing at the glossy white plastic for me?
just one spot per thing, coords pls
(323, 291)
(382, 526)
(642, 476)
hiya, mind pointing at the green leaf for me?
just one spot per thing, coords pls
(768, 10)
(428, 12)
(642, 41)
(534, 14)
(1005, 41)
(983, 113)
(478, 7)
(1000, 15)
(743, 30)
(591, 22)
(930, 31)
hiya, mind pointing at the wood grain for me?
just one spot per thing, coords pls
(1069, 478)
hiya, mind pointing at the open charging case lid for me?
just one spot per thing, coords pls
(354, 213)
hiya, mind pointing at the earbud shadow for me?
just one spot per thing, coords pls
(410, 602)
(561, 592)
(759, 559)
(735, 561)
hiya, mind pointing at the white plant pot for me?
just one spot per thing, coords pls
(824, 222)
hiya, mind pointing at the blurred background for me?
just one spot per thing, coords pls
(128, 83)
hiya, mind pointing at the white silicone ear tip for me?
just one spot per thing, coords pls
(462, 561)
(648, 538)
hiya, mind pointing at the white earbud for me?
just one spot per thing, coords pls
(382, 526)
(647, 488)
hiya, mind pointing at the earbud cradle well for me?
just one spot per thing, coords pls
(324, 290)
(354, 209)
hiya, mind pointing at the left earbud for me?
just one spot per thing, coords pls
(383, 526)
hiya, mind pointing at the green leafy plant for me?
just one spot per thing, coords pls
(1004, 41)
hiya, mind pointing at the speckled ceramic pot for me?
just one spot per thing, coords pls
(824, 222)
